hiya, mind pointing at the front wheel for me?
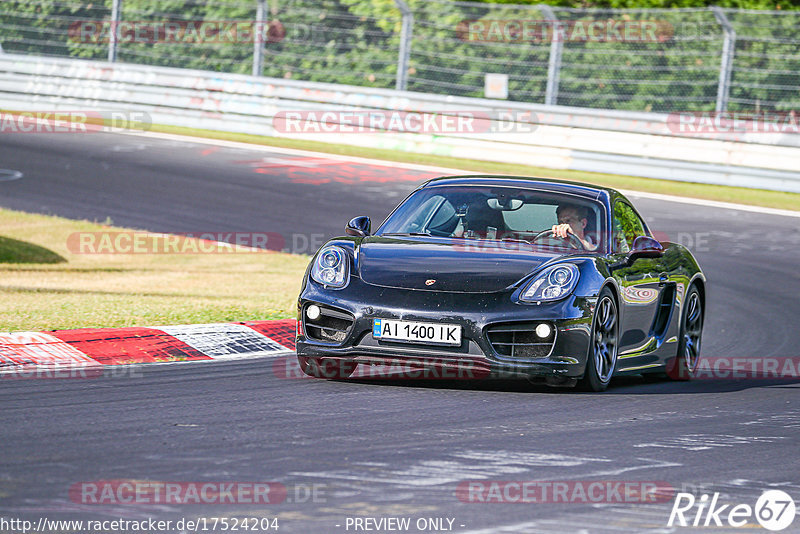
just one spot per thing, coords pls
(326, 367)
(602, 357)
(684, 365)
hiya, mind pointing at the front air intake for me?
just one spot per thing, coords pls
(331, 326)
(522, 340)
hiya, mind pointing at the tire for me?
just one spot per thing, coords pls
(601, 358)
(684, 365)
(326, 367)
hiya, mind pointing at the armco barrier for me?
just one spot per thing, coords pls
(629, 143)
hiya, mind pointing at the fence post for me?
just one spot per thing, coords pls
(116, 11)
(260, 33)
(726, 64)
(554, 63)
(405, 45)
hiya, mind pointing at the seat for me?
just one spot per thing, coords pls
(480, 216)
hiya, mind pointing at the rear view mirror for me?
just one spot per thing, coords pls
(508, 204)
(359, 226)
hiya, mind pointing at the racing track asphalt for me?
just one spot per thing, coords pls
(385, 448)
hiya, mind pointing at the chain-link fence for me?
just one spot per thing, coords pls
(645, 60)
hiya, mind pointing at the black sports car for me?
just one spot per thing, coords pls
(504, 276)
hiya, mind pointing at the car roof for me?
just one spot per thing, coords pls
(589, 191)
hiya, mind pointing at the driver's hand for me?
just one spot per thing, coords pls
(561, 230)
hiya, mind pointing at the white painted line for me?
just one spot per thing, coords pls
(547, 526)
(531, 459)
(700, 442)
(456, 467)
(649, 464)
(446, 170)
(7, 175)
(711, 203)
(294, 152)
(277, 161)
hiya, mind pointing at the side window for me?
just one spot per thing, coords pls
(420, 216)
(627, 227)
(443, 216)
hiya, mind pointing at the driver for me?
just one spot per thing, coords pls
(572, 219)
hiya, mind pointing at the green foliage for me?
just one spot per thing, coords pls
(356, 42)
(665, 4)
(42, 27)
(215, 52)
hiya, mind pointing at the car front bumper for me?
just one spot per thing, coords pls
(476, 313)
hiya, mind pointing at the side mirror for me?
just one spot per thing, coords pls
(359, 227)
(645, 247)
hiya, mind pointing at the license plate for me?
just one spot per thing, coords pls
(437, 333)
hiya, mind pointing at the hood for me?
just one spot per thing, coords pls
(455, 265)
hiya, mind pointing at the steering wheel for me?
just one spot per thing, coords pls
(571, 239)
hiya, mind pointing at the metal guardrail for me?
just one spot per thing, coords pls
(628, 143)
(642, 59)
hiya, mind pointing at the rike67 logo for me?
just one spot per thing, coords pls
(774, 510)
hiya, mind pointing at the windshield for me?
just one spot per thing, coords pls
(500, 214)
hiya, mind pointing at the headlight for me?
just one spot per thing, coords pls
(331, 267)
(553, 283)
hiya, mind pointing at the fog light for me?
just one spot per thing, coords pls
(313, 312)
(543, 330)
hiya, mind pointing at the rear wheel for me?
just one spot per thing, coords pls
(602, 357)
(684, 365)
(326, 367)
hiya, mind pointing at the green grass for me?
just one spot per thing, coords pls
(16, 251)
(740, 195)
(44, 285)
